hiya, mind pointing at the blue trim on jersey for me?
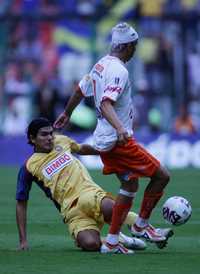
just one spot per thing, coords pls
(24, 184)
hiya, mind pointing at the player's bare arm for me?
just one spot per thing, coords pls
(73, 102)
(111, 116)
(83, 149)
(21, 214)
(86, 149)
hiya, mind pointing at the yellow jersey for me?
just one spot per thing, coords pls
(58, 173)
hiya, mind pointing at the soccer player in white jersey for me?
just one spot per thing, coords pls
(108, 82)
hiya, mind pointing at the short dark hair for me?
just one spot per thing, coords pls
(35, 125)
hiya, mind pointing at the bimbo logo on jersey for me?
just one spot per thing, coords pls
(56, 165)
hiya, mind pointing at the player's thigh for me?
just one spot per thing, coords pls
(90, 203)
(161, 174)
(81, 222)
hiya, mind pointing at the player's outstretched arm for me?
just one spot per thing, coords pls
(64, 117)
(86, 149)
(21, 215)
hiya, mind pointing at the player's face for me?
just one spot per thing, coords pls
(44, 140)
(131, 48)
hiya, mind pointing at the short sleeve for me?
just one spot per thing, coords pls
(75, 147)
(117, 79)
(86, 86)
(24, 183)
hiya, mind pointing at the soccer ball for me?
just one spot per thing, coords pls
(177, 210)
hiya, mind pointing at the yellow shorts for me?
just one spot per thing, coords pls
(85, 213)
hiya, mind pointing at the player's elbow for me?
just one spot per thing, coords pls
(106, 102)
(106, 107)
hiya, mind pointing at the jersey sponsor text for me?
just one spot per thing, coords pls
(56, 165)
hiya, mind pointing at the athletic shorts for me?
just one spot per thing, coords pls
(130, 160)
(85, 212)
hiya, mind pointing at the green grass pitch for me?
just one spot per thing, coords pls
(53, 251)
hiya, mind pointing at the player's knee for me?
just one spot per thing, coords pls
(89, 240)
(162, 175)
(165, 176)
(91, 245)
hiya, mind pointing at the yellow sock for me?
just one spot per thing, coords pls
(131, 218)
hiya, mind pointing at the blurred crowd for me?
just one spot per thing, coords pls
(47, 46)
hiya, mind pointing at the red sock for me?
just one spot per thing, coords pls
(149, 202)
(119, 214)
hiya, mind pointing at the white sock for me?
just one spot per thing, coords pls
(112, 239)
(140, 222)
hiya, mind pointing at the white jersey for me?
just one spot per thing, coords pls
(109, 79)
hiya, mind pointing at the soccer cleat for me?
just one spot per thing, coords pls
(149, 233)
(115, 249)
(167, 233)
(132, 242)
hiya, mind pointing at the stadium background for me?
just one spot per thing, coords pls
(46, 46)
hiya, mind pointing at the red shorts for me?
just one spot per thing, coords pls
(129, 159)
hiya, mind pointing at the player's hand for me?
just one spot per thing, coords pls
(123, 136)
(61, 121)
(23, 246)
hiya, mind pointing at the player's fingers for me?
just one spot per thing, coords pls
(126, 137)
(121, 139)
(58, 124)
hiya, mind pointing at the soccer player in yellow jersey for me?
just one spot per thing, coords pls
(84, 205)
